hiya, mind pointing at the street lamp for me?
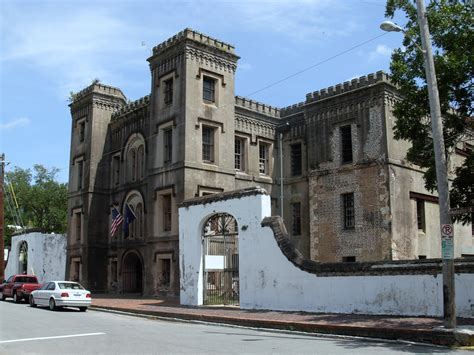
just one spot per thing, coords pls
(389, 26)
(446, 227)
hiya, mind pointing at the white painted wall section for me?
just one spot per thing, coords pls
(46, 256)
(268, 280)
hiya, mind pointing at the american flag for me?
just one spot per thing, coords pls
(117, 220)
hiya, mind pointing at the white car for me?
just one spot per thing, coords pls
(56, 294)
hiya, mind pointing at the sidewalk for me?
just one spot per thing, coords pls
(418, 329)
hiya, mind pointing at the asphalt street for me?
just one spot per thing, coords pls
(26, 330)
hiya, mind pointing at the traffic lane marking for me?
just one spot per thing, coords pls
(49, 338)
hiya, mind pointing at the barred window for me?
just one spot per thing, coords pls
(420, 215)
(296, 218)
(167, 212)
(168, 91)
(263, 158)
(80, 173)
(239, 154)
(208, 89)
(168, 145)
(208, 144)
(348, 209)
(82, 131)
(116, 170)
(296, 163)
(346, 144)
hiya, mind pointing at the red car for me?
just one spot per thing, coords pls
(18, 287)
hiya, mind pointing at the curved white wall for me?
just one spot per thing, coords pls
(268, 280)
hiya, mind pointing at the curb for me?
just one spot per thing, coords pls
(442, 337)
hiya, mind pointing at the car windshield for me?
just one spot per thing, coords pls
(70, 286)
(26, 279)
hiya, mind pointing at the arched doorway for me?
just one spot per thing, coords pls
(221, 260)
(132, 280)
(23, 258)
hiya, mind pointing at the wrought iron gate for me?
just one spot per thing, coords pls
(221, 260)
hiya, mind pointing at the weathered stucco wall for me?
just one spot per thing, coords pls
(46, 256)
(268, 280)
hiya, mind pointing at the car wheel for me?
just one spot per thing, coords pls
(32, 302)
(16, 299)
(2, 296)
(52, 304)
(83, 309)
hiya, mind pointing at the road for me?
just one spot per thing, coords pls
(26, 330)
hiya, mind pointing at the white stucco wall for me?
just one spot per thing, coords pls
(268, 280)
(46, 256)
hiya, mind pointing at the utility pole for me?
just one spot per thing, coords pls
(2, 218)
(447, 236)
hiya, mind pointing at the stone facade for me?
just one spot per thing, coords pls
(191, 136)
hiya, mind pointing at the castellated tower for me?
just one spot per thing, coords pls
(91, 111)
(192, 94)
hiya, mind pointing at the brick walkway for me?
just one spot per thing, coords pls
(422, 329)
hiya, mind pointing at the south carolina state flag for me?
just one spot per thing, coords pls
(128, 218)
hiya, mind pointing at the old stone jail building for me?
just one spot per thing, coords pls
(349, 194)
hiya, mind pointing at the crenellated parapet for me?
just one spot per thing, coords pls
(131, 107)
(196, 37)
(97, 88)
(291, 110)
(257, 106)
(348, 86)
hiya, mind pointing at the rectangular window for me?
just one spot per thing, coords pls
(239, 154)
(348, 209)
(113, 271)
(167, 212)
(82, 131)
(296, 218)
(168, 91)
(209, 89)
(168, 145)
(165, 272)
(348, 259)
(80, 172)
(296, 163)
(78, 226)
(420, 215)
(346, 144)
(208, 144)
(263, 158)
(422, 257)
(116, 171)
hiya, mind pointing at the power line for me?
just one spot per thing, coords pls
(317, 64)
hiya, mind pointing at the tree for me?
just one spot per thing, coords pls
(451, 25)
(42, 201)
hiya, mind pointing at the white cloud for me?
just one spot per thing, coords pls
(73, 47)
(380, 51)
(305, 20)
(16, 123)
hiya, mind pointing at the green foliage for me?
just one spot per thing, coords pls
(42, 201)
(451, 25)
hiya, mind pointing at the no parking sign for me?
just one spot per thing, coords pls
(447, 243)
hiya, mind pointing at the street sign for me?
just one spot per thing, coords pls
(447, 241)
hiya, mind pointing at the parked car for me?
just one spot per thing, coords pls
(57, 294)
(18, 287)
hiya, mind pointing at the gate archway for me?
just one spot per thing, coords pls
(221, 260)
(132, 273)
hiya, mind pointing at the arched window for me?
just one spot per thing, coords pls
(133, 210)
(135, 155)
(141, 162)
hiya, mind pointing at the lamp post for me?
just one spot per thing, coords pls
(449, 305)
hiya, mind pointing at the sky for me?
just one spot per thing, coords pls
(49, 48)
